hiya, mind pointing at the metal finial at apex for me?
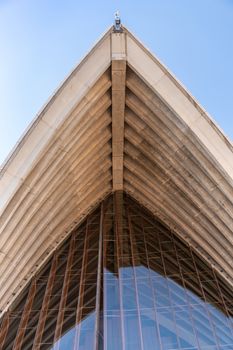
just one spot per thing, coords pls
(117, 23)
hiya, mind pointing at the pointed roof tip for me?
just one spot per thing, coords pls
(117, 27)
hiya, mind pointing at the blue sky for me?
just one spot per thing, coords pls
(41, 41)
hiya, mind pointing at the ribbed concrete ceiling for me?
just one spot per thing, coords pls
(120, 121)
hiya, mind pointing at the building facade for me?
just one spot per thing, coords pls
(117, 215)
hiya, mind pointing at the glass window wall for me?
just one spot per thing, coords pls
(122, 281)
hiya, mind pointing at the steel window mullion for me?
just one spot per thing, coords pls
(189, 307)
(135, 282)
(61, 311)
(98, 285)
(81, 290)
(151, 284)
(223, 301)
(117, 229)
(104, 289)
(45, 304)
(169, 293)
(25, 317)
(4, 329)
(205, 304)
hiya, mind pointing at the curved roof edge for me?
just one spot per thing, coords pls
(173, 92)
(43, 125)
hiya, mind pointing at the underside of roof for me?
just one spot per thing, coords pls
(120, 121)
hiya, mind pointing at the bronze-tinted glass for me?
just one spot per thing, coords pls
(122, 281)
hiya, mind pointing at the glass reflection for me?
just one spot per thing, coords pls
(155, 292)
(165, 296)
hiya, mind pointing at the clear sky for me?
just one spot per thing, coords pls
(42, 40)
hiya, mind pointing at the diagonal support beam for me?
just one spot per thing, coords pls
(4, 329)
(99, 286)
(18, 342)
(118, 45)
(64, 294)
(45, 305)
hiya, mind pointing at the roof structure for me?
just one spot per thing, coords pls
(120, 121)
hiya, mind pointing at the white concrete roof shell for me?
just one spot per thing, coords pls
(174, 160)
